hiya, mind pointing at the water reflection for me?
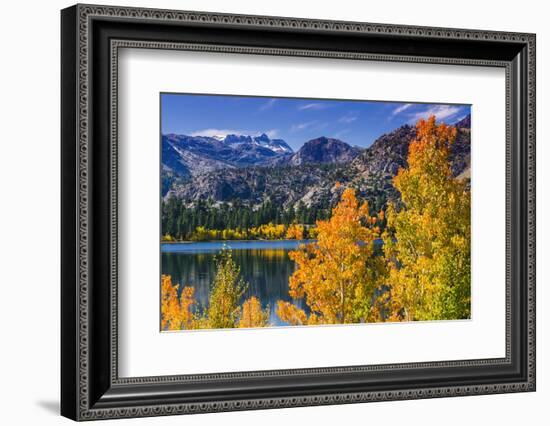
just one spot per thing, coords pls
(265, 266)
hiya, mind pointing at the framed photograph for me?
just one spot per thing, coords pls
(263, 212)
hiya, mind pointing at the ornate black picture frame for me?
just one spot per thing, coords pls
(91, 36)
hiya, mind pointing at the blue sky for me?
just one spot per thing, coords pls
(296, 120)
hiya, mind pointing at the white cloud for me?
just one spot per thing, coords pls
(400, 109)
(224, 132)
(341, 133)
(462, 117)
(348, 118)
(268, 104)
(302, 126)
(219, 132)
(313, 106)
(441, 112)
(272, 133)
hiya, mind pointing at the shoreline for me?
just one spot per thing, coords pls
(225, 241)
(376, 241)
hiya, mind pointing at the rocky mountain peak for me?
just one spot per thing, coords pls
(236, 139)
(465, 122)
(278, 146)
(262, 138)
(324, 150)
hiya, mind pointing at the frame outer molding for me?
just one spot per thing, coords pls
(76, 402)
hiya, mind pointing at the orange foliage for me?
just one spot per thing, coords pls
(427, 241)
(176, 312)
(295, 232)
(288, 312)
(252, 314)
(336, 275)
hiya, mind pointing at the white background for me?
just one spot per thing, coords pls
(29, 181)
(142, 346)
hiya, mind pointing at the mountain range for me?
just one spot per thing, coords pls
(254, 169)
(191, 155)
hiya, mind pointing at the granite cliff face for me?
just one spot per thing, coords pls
(389, 152)
(321, 150)
(374, 169)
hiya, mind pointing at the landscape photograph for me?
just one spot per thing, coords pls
(279, 212)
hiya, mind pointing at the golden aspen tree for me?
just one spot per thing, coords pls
(169, 303)
(291, 314)
(228, 287)
(295, 232)
(176, 312)
(252, 314)
(427, 239)
(336, 275)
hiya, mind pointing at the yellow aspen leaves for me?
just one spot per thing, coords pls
(291, 314)
(337, 274)
(252, 314)
(427, 240)
(228, 287)
(295, 232)
(176, 312)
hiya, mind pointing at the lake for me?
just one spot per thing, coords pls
(265, 266)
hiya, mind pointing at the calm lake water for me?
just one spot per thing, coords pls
(265, 266)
